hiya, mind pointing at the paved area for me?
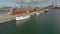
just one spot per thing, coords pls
(6, 17)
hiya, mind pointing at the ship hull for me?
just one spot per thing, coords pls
(22, 17)
(57, 7)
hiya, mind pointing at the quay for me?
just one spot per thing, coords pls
(6, 18)
(36, 12)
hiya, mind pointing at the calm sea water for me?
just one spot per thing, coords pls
(8, 27)
(45, 23)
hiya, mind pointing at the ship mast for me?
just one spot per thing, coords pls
(21, 5)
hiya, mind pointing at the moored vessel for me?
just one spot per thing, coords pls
(46, 10)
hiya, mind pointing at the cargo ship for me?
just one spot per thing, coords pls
(50, 6)
(57, 7)
(55, 4)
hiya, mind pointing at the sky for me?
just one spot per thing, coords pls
(42, 3)
(7, 3)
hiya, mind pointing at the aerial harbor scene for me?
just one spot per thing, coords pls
(29, 16)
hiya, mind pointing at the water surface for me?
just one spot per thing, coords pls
(45, 23)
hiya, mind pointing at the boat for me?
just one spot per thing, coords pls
(57, 7)
(38, 11)
(37, 14)
(50, 6)
(46, 10)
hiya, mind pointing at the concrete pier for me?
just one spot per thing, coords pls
(33, 13)
(6, 17)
